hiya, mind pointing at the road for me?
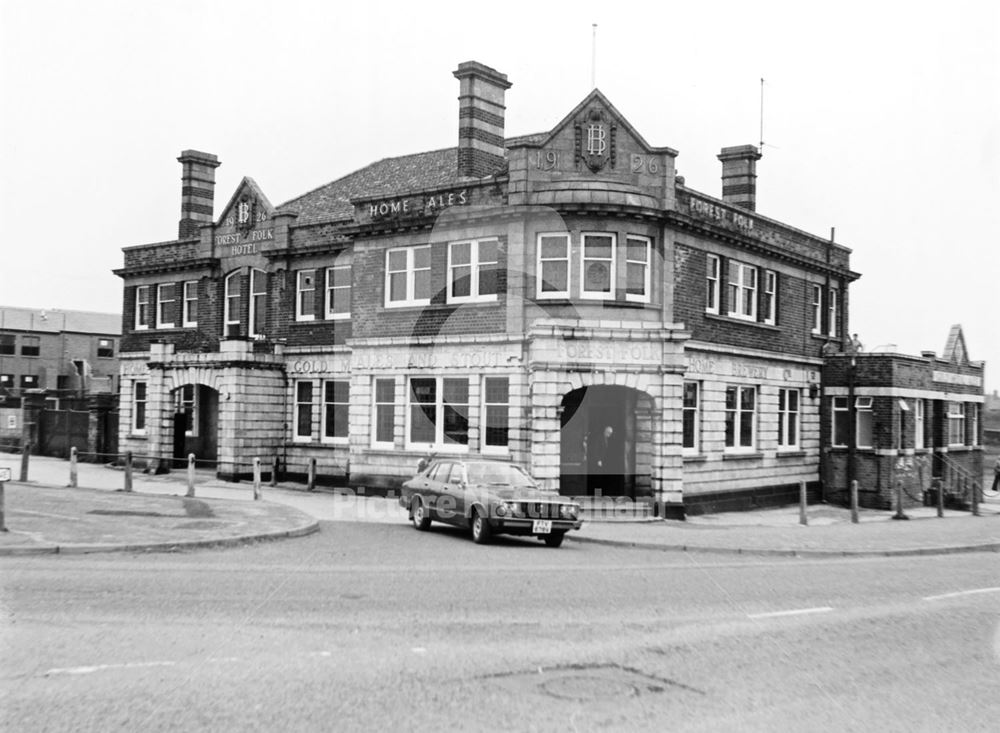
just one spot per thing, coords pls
(377, 626)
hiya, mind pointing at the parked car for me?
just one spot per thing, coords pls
(488, 497)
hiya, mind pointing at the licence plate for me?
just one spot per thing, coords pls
(541, 526)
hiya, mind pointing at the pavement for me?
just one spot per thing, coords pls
(43, 516)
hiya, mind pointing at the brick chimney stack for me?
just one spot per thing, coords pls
(197, 191)
(480, 119)
(739, 175)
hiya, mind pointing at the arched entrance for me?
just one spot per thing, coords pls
(195, 423)
(606, 442)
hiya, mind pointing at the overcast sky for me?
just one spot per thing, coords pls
(880, 119)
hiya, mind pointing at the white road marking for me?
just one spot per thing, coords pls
(958, 593)
(103, 667)
(793, 612)
(419, 650)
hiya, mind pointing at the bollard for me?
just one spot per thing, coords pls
(311, 481)
(975, 496)
(72, 468)
(128, 470)
(899, 501)
(190, 475)
(256, 479)
(25, 453)
(803, 519)
(940, 497)
(3, 525)
(854, 501)
(274, 471)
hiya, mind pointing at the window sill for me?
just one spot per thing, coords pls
(751, 455)
(137, 436)
(741, 322)
(790, 453)
(695, 457)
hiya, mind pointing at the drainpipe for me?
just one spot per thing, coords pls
(852, 425)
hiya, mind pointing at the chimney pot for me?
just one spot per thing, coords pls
(739, 175)
(481, 144)
(197, 191)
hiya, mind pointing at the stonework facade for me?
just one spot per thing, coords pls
(561, 300)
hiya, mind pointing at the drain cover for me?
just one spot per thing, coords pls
(588, 682)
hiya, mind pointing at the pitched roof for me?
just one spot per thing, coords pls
(48, 320)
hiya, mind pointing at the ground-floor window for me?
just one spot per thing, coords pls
(865, 433)
(690, 427)
(139, 407)
(303, 410)
(439, 411)
(956, 423)
(496, 411)
(973, 438)
(336, 404)
(187, 402)
(741, 411)
(788, 418)
(841, 421)
(385, 411)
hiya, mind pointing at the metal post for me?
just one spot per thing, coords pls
(190, 475)
(256, 478)
(73, 482)
(854, 502)
(25, 453)
(940, 497)
(975, 496)
(311, 485)
(803, 519)
(128, 470)
(899, 501)
(3, 525)
(274, 471)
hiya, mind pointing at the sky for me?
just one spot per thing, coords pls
(881, 122)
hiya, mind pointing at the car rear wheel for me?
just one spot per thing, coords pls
(481, 530)
(554, 539)
(418, 515)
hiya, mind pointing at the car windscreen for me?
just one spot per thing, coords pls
(485, 474)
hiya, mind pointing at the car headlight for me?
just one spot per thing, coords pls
(568, 511)
(505, 509)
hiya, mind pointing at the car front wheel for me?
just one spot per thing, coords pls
(418, 515)
(481, 531)
(555, 539)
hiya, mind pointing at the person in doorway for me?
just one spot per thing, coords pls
(606, 463)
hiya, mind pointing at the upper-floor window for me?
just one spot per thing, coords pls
(741, 417)
(638, 267)
(233, 303)
(408, 276)
(712, 291)
(956, 423)
(258, 302)
(769, 298)
(189, 306)
(7, 343)
(29, 381)
(788, 418)
(6, 381)
(105, 348)
(553, 266)
(31, 345)
(597, 279)
(165, 305)
(742, 291)
(816, 301)
(833, 310)
(472, 271)
(305, 295)
(338, 291)
(141, 307)
(691, 419)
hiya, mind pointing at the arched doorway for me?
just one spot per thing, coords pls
(195, 423)
(606, 442)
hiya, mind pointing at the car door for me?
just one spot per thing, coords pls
(452, 500)
(434, 487)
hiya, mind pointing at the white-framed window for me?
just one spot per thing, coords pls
(833, 308)
(233, 303)
(956, 423)
(742, 291)
(769, 298)
(438, 412)
(973, 438)
(336, 407)
(553, 266)
(691, 418)
(384, 428)
(840, 421)
(141, 307)
(189, 315)
(496, 415)
(713, 268)
(304, 408)
(187, 402)
(472, 270)
(165, 305)
(816, 301)
(105, 348)
(338, 292)
(258, 302)
(139, 408)
(305, 295)
(918, 424)
(638, 268)
(741, 417)
(597, 266)
(864, 422)
(788, 418)
(408, 276)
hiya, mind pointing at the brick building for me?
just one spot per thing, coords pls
(560, 299)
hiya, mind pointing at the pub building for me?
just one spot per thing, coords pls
(561, 300)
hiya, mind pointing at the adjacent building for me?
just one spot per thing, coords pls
(560, 299)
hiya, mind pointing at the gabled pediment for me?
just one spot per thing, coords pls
(247, 208)
(955, 350)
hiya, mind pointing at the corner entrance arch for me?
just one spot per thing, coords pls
(195, 423)
(606, 442)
